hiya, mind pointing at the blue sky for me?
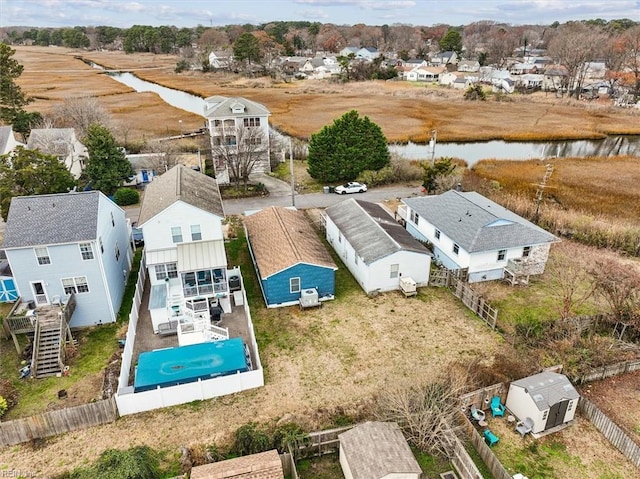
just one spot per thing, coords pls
(190, 13)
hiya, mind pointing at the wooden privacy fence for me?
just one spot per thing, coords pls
(489, 458)
(608, 371)
(616, 436)
(57, 422)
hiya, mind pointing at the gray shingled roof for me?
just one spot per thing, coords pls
(476, 223)
(5, 133)
(376, 449)
(372, 232)
(52, 141)
(181, 183)
(52, 219)
(547, 389)
(220, 106)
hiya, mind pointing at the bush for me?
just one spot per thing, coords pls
(4, 407)
(376, 178)
(475, 92)
(251, 439)
(126, 196)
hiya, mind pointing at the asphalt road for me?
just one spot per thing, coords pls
(317, 200)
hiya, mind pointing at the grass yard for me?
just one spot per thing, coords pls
(579, 451)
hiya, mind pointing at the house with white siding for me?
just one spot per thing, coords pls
(181, 220)
(8, 141)
(62, 143)
(468, 231)
(70, 243)
(374, 247)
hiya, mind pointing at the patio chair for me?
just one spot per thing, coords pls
(490, 438)
(477, 414)
(497, 408)
(524, 427)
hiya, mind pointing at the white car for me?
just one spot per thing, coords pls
(351, 187)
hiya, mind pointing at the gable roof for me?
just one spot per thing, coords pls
(476, 223)
(281, 238)
(6, 133)
(52, 219)
(52, 141)
(377, 449)
(372, 232)
(264, 465)
(547, 389)
(181, 184)
(222, 107)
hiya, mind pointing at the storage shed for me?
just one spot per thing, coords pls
(375, 247)
(289, 257)
(377, 450)
(549, 399)
(264, 465)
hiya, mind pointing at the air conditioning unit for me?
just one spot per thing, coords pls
(408, 286)
(309, 298)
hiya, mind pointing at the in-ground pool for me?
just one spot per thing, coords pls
(186, 364)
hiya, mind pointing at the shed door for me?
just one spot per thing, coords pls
(556, 414)
(8, 290)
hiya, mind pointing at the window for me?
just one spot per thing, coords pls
(393, 273)
(42, 255)
(502, 254)
(113, 222)
(251, 122)
(570, 406)
(456, 248)
(415, 217)
(168, 270)
(545, 414)
(526, 251)
(75, 285)
(437, 234)
(101, 245)
(196, 235)
(230, 140)
(176, 234)
(294, 285)
(86, 250)
(116, 250)
(217, 123)
(253, 141)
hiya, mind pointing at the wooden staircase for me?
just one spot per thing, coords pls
(48, 348)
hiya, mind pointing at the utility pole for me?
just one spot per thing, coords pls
(432, 146)
(293, 188)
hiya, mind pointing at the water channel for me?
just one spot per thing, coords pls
(471, 152)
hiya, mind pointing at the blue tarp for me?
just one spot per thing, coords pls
(169, 367)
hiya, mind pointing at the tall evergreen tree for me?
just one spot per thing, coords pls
(351, 145)
(30, 172)
(107, 168)
(246, 47)
(12, 98)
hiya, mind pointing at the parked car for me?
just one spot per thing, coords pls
(136, 234)
(351, 187)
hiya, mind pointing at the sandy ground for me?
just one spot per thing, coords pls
(318, 363)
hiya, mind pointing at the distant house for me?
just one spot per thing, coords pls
(237, 125)
(288, 256)
(548, 399)
(181, 220)
(346, 51)
(444, 58)
(220, 60)
(8, 141)
(530, 80)
(469, 66)
(426, 74)
(60, 142)
(523, 68)
(70, 243)
(554, 78)
(264, 465)
(367, 53)
(145, 167)
(461, 83)
(374, 247)
(377, 450)
(321, 67)
(469, 231)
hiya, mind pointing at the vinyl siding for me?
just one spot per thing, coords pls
(276, 287)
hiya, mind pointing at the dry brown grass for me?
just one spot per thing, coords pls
(404, 111)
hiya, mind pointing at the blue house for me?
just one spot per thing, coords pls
(289, 257)
(70, 243)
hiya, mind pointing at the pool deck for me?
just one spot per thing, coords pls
(147, 340)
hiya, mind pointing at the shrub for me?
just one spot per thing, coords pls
(126, 196)
(376, 178)
(251, 438)
(4, 407)
(475, 92)
(9, 393)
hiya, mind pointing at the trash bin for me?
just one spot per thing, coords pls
(325, 190)
(332, 189)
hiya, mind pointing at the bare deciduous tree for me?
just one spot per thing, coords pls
(425, 413)
(619, 285)
(163, 155)
(80, 114)
(239, 151)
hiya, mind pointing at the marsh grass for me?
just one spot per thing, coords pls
(405, 112)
